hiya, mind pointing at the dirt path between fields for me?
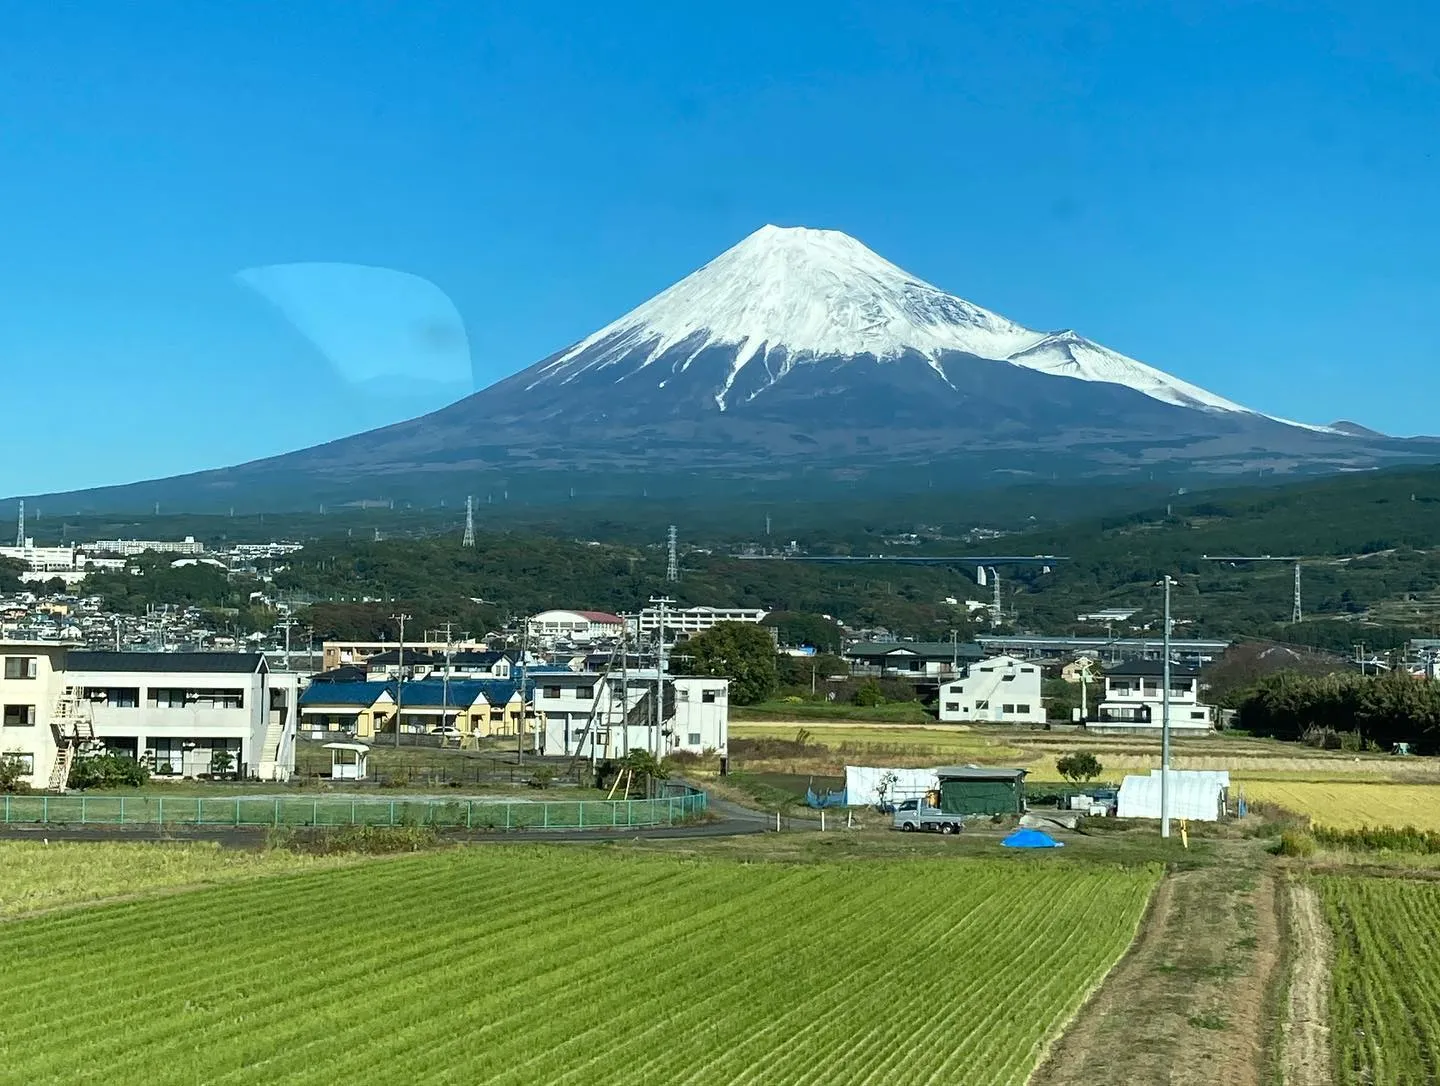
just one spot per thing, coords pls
(1307, 1060)
(1187, 1004)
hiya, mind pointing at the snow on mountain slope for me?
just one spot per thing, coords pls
(784, 297)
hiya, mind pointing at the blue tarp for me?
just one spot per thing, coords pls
(1031, 839)
(824, 799)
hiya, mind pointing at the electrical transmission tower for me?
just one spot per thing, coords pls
(1296, 611)
(20, 532)
(469, 540)
(672, 561)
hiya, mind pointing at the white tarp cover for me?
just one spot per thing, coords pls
(1195, 794)
(862, 783)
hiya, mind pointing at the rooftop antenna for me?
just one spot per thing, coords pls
(20, 531)
(672, 561)
(469, 540)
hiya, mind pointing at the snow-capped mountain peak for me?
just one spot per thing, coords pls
(787, 296)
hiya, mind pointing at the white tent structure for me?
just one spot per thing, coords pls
(862, 784)
(1195, 794)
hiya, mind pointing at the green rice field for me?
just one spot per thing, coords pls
(529, 965)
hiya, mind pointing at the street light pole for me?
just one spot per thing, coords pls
(1165, 723)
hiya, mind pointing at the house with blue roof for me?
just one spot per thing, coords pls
(473, 707)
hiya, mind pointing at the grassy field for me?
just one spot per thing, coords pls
(832, 746)
(35, 876)
(1385, 996)
(1347, 805)
(904, 712)
(511, 965)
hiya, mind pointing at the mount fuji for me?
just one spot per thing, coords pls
(797, 351)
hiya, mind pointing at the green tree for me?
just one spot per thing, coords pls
(738, 651)
(869, 694)
(12, 775)
(1079, 766)
(221, 762)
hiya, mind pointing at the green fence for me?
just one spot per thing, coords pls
(143, 810)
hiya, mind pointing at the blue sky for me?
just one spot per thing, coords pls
(1243, 194)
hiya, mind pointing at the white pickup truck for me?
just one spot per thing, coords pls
(917, 814)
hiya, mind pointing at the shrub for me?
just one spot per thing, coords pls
(1295, 843)
(108, 771)
(12, 773)
(869, 694)
(542, 777)
(367, 840)
(1382, 839)
(1079, 766)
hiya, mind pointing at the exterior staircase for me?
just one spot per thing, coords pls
(74, 730)
(268, 769)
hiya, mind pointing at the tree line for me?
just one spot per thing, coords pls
(1370, 711)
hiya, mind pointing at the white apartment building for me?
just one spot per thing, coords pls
(1134, 700)
(580, 627)
(1000, 690)
(620, 713)
(335, 654)
(174, 711)
(691, 620)
(129, 548)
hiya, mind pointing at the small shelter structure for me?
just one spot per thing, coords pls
(348, 761)
(1199, 795)
(981, 790)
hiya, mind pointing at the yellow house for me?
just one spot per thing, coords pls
(360, 709)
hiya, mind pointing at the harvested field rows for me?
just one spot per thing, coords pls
(1346, 806)
(538, 966)
(1385, 996)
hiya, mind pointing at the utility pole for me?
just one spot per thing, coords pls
(1165, 723)
(401, 618)
(524, 693)
(660, 602)
(286, 625)
(445, 678)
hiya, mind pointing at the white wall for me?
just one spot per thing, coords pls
(37, 740)
(1000, 690)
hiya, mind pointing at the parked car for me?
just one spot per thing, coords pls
(446, 731)
(917, 814)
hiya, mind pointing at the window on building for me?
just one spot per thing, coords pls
(981, 705)
(19, 716)
(216, 699)
(166, 697)
(26, 760)
(21, 667)
(1028, 670)
(551, 692)
(682, 694)
(1022, 709)
(952, 706)
(1007, 678)
(1197, 716)
(694, 738)
(117, 697)
(708, 695)
(584, 691)
(1007, 708)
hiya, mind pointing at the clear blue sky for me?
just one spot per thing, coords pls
(1245, 194)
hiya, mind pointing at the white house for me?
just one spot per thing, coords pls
(1134, 700)
(620, 713)
(1000, 690)
(576, 626)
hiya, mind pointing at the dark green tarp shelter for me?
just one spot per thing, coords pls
(980, 790)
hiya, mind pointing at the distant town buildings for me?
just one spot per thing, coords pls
(129, 548)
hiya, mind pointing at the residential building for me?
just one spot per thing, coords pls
(474, 707)
(553, 627)
(602, 716)
(1134, 699)
(1000, 690)
(910, 659)
(340, 653)
(132, 547)
(32, 684)
(1109, 614)
(1191, 651)
(685, 621)
(176, 711)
